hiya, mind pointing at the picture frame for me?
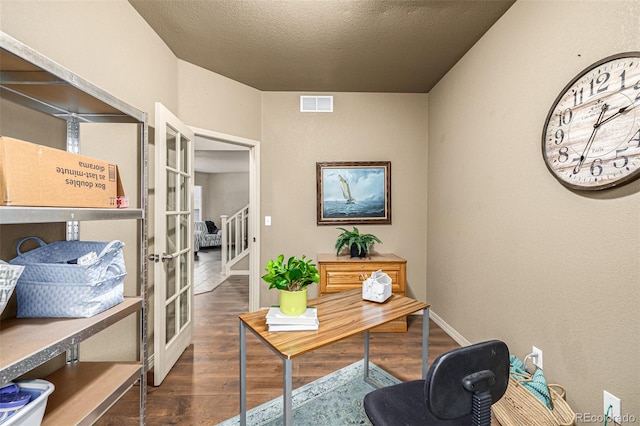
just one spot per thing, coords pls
(353, 192)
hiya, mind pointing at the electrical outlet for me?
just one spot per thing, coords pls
(614, 403)
(537, 356)
(267, 221)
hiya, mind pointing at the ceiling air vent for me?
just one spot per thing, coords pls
(316, 103)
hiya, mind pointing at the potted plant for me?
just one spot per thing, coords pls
(291, 278)
(359, 244)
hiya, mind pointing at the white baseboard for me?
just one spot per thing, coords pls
(150, 362)
(459, 338)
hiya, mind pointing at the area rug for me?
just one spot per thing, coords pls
(335, 399)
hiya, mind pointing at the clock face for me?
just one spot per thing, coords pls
(591, 138)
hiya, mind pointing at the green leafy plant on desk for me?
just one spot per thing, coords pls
(292, 275)
(291, 278)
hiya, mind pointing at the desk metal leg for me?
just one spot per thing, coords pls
(366, 356)
(243, 375)
(425, 342)
(365, 366)
(287, 387)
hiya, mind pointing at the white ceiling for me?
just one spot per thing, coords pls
(400, 46)
(218, 157)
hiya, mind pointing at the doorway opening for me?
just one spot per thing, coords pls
(227, 168)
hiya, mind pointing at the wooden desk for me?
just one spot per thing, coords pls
(341, 315)
(341, 273)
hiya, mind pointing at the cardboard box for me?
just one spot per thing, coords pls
(36, 175)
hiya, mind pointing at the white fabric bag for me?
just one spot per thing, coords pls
(377, 288)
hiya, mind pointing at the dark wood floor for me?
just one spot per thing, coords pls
(202, 388)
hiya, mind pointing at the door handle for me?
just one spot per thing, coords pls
(166, 256)
(157, 258)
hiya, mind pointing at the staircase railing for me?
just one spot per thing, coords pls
(235, 240)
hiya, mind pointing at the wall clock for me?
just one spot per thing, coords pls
(591, 137)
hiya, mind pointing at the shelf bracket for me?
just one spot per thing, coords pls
(73, 145)
(73, 354)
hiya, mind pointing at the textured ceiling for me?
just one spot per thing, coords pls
(323, 45)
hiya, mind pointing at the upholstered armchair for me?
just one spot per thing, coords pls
(206, 236)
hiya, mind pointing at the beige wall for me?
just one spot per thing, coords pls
(363, 127)
(222, 194)
(213, 102)
(512, 254)
(228, 193)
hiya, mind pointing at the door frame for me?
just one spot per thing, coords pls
(254, 205)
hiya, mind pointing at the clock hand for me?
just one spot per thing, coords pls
(620, 111)
(583, 157)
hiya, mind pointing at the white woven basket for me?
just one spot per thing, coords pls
(54, 285)
(9, 275)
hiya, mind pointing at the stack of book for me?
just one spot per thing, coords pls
(277, 321)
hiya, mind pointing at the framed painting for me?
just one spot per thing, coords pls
(354, 192)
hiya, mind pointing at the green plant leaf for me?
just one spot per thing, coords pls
(350, 238)
(293, 275)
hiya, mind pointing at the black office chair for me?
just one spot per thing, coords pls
(459, 389)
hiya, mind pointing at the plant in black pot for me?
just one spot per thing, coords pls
(358, 244)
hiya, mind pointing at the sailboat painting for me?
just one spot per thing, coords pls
(346, 191)
(354, 192)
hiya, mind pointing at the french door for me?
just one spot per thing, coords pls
(173, 266)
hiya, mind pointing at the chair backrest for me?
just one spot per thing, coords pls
(446, 395)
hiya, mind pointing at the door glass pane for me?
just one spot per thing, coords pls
(184, 270)
(184, 308)
(171, 148)
(184, 193)
(170, 268)
(171, 235)
(184, 231)
(184, 155)
(170, 321)
(171, 191)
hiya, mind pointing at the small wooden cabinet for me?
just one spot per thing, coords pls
(341, 273)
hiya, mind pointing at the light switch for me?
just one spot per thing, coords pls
(267, 221)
